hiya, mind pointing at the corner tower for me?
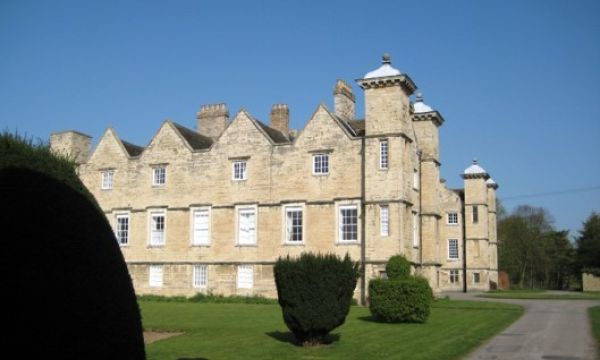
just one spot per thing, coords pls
(389, 157)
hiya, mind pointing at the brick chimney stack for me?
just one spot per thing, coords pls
(212, 119)
(280, 118)
(343, 100)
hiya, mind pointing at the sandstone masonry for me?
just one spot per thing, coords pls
(211, 210)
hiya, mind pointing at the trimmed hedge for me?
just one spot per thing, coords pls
(210, 298)
(397, 268)
(406, 300)
(315, 294)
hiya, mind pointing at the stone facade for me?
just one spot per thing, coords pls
(590, 282)
(211, 210)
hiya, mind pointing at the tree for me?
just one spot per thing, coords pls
(588, 243)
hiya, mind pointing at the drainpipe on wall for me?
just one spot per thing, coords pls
(464, 247)
(419, 154)
(363, 280)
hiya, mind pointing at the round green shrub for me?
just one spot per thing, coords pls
(397, 268)
(407, 300)
(315, 293)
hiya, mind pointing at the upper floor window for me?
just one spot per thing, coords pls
(107, 179)
(416, 179)
(383, 154)
(201, 226)
(246, 226)
(293, 224)
(384, 220)
(200, 276)
(475, 214)
(321, 164)
(452, 218)
(122, 229)
(415, 229)
(159, 175)
(348, 223)
(453, 249)
(157, 228)
(239, 170)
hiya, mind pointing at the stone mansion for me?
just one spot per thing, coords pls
(211, 209)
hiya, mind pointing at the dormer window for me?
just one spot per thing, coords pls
(321, 164)
(159, 175)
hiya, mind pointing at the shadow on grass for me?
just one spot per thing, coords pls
(192, 359)
(288, 337)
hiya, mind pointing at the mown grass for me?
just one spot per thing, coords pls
(595, 319)
(542, 295)
(242, 331)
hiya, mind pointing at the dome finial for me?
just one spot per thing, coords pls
(419, 97)
(387, 59)
(475, 162)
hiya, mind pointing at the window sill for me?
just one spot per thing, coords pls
(200, 245)
(452, 224)
(323, 174)
(299, 243)
(246, 245)
(106, 189)
(347, 242)
(158, 186)
(238, 180)
(123, 245)
(155, 246)
(453, 260)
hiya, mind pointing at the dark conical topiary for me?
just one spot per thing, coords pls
(315, 294)
(67, 290)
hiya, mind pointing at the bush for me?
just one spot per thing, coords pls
(315, 294)
(71, 294)
(397, 268)
(406, 300)
(210, 298)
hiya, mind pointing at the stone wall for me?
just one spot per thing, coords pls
(590, 282)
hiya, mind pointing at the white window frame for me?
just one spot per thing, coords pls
(193, 240)
(157, 178)
(245, 209)
(416, 179)
(415, 230)
(200, 276)
(339, 223)
(287, 209)
(106, 179)
(249, 274)
(118, 231)
(384, 154)
(322, 159)
(151, 214)
(449, 218)
(156, 276)
(450, 254)
(239, 170)
(384, 220)
(454, 274)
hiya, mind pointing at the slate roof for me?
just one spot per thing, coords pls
(194, 139)
(132, 149)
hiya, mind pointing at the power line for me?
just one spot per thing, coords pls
(551, 193)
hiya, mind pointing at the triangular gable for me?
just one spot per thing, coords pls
(321, 113)
(238, 122)
(168, 129)
(111, 141)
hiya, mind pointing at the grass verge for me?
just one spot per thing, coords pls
(595, 318)
(542, 295)
(236, 331)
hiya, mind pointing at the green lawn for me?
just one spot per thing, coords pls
(241, 331)
(595, 318)
(540, 294)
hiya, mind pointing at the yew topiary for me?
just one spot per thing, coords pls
(397, 268)
(315, 294)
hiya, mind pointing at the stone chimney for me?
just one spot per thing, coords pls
(72, 144)
(280, 118)
(212, 119)
(343, 100)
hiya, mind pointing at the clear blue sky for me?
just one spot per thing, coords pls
(518, 82)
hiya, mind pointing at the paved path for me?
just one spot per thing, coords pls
(549, 330)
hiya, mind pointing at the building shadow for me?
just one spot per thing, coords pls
(288, 337)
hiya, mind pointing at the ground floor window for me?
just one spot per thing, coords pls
(454, 276)
(476, 278)
(155, 276)
(245, 276)
(200, 276)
